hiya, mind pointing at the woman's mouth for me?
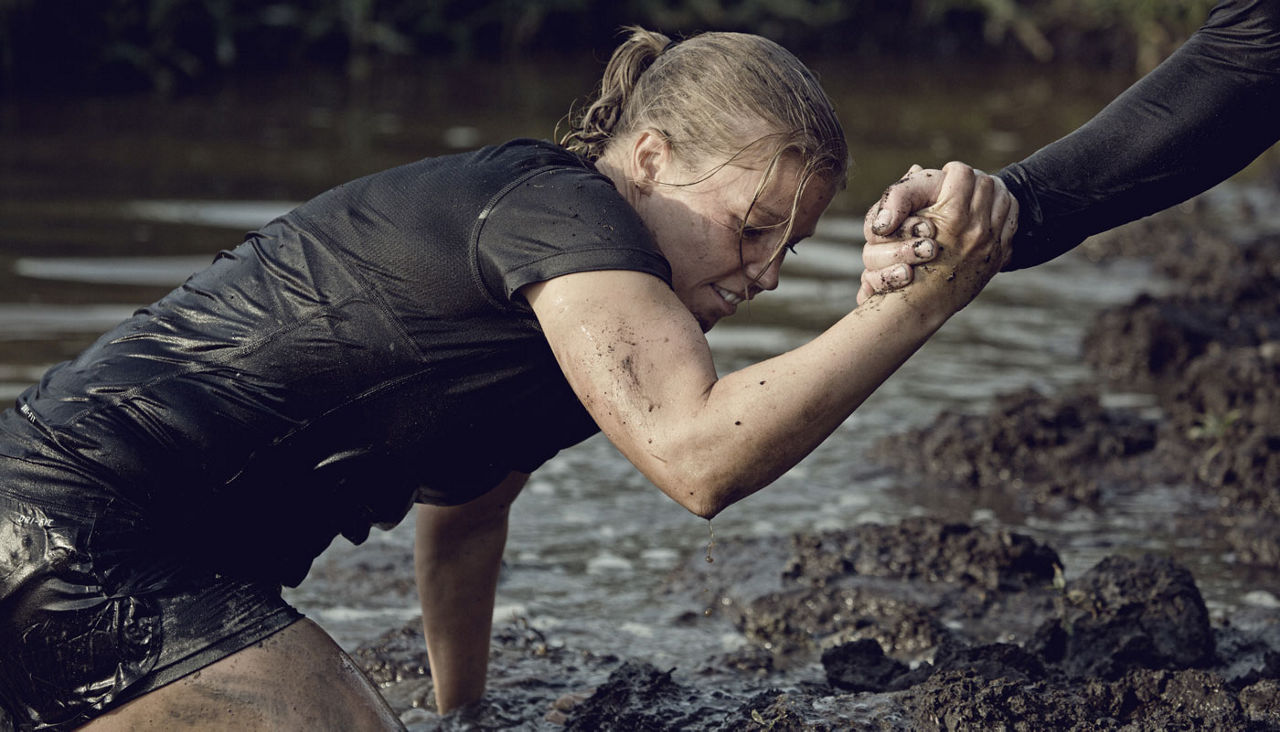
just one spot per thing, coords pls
(729, 297)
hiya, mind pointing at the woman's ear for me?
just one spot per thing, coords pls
(651, 157)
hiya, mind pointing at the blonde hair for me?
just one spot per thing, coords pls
(705, 94)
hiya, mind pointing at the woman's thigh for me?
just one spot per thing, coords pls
(296, 679)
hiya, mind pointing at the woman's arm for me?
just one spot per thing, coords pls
(640, 364)
(457, 555)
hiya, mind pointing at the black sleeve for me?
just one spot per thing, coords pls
(557, 222)
(1201, 116)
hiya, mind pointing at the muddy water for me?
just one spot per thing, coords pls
(105, 204)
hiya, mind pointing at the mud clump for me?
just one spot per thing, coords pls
(1128, 613)
(923, 548)
(1047, 453)
(637, 696)
(861, 666)
(909, 587)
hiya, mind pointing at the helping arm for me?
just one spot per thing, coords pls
(1201, 116)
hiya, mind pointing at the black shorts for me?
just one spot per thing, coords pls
(89, 621)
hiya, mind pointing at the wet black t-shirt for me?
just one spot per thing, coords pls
(365, 350)
(1201, 116)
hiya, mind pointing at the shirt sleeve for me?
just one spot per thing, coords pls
(557, 222)
(1201, 116)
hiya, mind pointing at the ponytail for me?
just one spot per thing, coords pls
(713, 97)
(592, 129)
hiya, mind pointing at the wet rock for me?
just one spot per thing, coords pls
(1044, 452)
(861, 666)
(1129, 613)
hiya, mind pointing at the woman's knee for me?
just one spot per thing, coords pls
(297, 678)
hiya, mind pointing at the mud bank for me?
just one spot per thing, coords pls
(941, 624)
(918, 625)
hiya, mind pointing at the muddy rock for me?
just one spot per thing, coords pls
(1128, 613)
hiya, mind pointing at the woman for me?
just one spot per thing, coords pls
(432, 334)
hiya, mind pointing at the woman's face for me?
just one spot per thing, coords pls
(697, 228)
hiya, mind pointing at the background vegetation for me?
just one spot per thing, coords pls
(169, 45)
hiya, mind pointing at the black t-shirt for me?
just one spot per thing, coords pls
(1201, 116)
(365, 350)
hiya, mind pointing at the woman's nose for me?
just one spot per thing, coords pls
(765, 275)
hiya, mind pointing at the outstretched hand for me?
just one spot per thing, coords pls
(902, 228)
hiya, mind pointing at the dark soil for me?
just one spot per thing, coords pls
(920, 625)
(934, 624)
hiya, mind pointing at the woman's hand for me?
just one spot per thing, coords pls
(949, 214)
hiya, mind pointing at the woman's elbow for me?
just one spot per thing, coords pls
(707, 509)
(701, 496)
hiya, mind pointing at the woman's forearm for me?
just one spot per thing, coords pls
(760, 421)
(457, 556)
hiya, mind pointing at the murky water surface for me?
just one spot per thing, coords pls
(105, 204)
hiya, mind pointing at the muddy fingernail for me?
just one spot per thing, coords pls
(923, 249)
(922, 229)
(882, 220)
(899, 274)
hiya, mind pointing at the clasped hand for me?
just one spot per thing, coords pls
(951, 228)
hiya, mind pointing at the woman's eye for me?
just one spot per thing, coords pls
(753, 232)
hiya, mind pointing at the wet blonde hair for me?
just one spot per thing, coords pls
(706, 95)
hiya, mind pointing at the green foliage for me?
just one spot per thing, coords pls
(165, 44)
(1214, 427)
